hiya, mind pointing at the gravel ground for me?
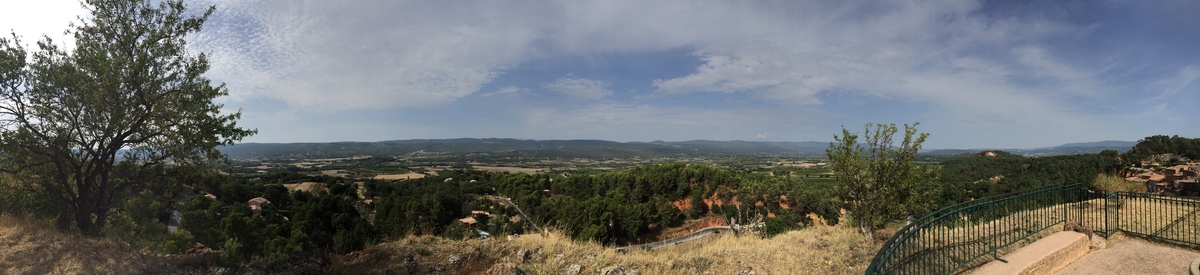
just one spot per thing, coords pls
(1133, 256)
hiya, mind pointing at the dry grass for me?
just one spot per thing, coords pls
(307, 186)
(1113, 183)
(814, 250)
(502, 169)
(412, 175)
(30, 246)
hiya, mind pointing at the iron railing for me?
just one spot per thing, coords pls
(972, 233)
(966, 235)
(1163, 218)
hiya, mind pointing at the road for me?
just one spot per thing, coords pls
(177, 214)
(521, 214)
(676, 240)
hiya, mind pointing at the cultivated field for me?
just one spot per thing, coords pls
(411, 175)
(502, 169)
(307, 186)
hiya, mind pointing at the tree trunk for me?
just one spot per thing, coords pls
(83, 220)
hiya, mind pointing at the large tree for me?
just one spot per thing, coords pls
(881, 182)
(83, 124)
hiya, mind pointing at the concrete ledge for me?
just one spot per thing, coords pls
(1044, 256)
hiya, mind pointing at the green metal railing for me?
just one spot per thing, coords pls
(1163, 218)
(972, 233)
(966, 235)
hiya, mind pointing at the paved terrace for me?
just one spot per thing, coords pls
(1133, 256)
(1067, 253)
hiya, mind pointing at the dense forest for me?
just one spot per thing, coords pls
(1180, 147)
(613, 208)
(617, 207)
(1000, 172)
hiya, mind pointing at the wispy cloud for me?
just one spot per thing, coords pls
(1010, 66)
(580, 87)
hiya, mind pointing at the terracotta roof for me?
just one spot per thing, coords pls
(468, 220)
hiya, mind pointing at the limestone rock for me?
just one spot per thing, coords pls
(1099, 242)
(619, 270)
(574, 269)
(505, 269)
(522, 255)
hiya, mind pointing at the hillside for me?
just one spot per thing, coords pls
(27, 248)
(596, 149)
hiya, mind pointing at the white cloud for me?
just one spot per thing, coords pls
(580, 87)
(32, 19)
(506, 91)
(383, 54)
(947, 56)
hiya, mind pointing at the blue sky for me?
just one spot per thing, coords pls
(976, 74)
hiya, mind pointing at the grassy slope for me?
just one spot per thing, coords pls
(28, 247)
(814, 250)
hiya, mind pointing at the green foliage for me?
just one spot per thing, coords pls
(202, 216)
(881, 182)
(233, 253)
(1160, 144)
(87, 124)
(977, 176)
(177, 243)
(137, 221)
(781, 223)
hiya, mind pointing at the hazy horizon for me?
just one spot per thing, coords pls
(976, 74)
(924, 148)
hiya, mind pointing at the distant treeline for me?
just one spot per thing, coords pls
(1154, 145)
(979, 176)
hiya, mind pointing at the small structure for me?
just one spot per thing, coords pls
(481, 212)
(211, 196)
(256, 204)
(467, 222)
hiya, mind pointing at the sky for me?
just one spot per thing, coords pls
(975, 74)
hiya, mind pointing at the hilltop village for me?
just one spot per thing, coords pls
(1177, 179)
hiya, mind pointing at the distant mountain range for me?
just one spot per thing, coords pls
(599, 148)
(1065, 149)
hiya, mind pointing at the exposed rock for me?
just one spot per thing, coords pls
(1070, 226)
(454, 260)
(505, 269)
(1099, 242)
(1074, 226)
(619, 270)
(746, 272)
(573, 269)
(522, 255)
(591, 259)
(198, 248)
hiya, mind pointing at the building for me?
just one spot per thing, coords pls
(256, 204)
